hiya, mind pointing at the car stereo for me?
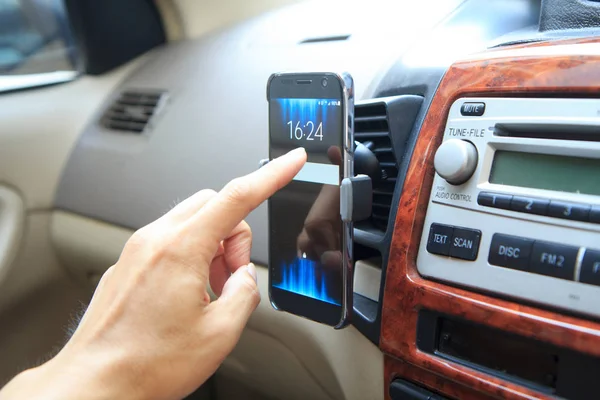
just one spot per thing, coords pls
(515, 203)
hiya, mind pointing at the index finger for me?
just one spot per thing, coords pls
(242, 195)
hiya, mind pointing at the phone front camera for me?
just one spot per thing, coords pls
(324, 82)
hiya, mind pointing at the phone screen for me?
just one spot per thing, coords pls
(305, 228)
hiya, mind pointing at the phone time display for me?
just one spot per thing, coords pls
(306, 131)
(314, 124)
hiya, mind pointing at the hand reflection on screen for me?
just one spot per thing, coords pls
(321, 236)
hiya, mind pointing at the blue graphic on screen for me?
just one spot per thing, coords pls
(305, 109)
(302, 277)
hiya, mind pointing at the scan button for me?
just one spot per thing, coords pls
(465, 244)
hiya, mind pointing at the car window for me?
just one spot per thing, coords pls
(36, 44)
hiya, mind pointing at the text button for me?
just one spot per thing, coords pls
(439, 240)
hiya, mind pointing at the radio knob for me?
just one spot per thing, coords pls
(456, 160)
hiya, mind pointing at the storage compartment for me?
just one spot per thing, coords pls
(521, 360)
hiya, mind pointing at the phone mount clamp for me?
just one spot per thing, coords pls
(356, 198)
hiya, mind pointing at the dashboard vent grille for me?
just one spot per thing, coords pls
(371, 128)
(132, 111)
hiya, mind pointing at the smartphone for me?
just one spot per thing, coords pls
(310, 247)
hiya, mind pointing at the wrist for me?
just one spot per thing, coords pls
(84, 377)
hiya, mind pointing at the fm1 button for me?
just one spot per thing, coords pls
(552, 259)
(465, 244)
(494, 200)
(440, 237)
(510, 252)
(590, 268)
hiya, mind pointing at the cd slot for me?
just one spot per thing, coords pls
(584, 133)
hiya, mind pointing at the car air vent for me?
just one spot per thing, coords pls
(133, 110)
(371, 128)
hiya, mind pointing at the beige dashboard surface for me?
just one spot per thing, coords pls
(39, 128)
(197, 17)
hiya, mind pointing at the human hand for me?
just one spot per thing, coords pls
(151, 331)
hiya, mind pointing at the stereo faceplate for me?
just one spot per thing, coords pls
(550, 235)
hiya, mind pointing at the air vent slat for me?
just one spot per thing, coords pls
(381, 219)
(371, 127)
(370, 135)
(382, 150)
(149, 103)
(131, 96)
(386, 207)
(128, 102)
(121, 118)
(386, 157)
(118, 125)
(137, 103)
(136, 127)
(372, 130)
(132, 111)
(382, 118)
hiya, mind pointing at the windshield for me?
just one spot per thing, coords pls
(36, 44)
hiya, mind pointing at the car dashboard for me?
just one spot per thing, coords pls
(449, 301)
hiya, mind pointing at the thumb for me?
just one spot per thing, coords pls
(239, 298)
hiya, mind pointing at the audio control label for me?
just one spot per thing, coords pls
(442, 194)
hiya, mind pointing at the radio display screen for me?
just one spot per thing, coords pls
(546, 171)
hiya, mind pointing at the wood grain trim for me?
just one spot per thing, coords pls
(570, 68)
